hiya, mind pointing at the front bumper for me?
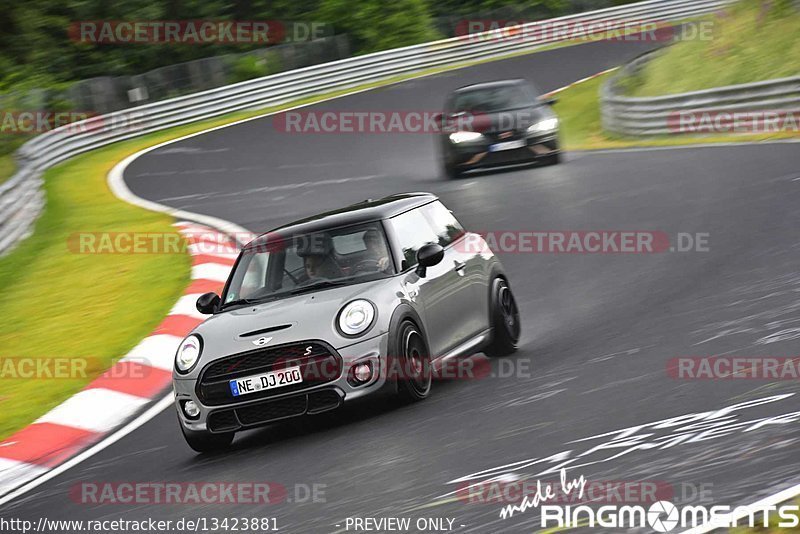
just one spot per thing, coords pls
(316, 398)
(478, 155)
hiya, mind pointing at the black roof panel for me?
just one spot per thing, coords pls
(360, 212)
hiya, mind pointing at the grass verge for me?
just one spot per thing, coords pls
(751, 41)
(7, 167)
(579, 110)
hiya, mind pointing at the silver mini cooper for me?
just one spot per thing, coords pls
(330, 309)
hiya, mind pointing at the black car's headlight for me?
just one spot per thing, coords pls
(465, 137)
(188, 353)
(355, 318)
(543, 126)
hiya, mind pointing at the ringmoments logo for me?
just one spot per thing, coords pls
(661, 516)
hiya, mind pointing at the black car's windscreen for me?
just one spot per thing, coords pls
(493, 99)
(280, 264)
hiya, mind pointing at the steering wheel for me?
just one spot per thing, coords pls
(369, 264)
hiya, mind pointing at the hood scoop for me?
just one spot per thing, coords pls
(265, 330)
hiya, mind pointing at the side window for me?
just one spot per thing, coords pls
(444, 224)
(412, 230)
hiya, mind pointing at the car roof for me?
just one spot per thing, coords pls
(361, 212)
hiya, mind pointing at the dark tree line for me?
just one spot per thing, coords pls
(36, 50)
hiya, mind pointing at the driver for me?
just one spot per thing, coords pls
(376, 249)
(316, 252)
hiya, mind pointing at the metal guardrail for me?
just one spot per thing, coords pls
(661, 115)
(21, 197)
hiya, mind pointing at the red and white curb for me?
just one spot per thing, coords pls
(130, 384)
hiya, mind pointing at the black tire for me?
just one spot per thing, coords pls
(552, 159)
(206, 441)
(451, 172)
(413, 363)
(504, 316)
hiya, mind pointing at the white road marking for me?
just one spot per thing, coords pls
(157, 351)
(186, 305)
(12, 472)
(211, 271)
(107, 409)
(109, 440)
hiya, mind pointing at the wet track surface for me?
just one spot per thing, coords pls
(598, 329)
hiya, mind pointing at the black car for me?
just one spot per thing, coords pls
(497, 123)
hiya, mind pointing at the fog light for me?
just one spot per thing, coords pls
(362, 372)
(191, 409)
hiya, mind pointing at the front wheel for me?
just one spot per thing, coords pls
(451, 172)
(414, 374)
(504, 317)
(552, 159)
(206, 441)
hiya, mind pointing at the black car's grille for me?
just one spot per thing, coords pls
(273, 410)
(504, 135)
(318, 364)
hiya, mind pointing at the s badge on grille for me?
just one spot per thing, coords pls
(261, 341)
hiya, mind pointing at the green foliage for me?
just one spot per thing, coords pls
(375, 25)
(752, 41)
(38, 49)
(251, 66)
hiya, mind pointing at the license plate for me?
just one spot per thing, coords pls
(273, 379)
(507, 145)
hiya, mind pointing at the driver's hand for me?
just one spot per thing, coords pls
(383, 263)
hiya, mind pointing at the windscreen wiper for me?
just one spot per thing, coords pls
(319, 285)
(238, 302)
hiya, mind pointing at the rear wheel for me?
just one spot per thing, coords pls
(505, 320)
(202, 441)
(414, 360)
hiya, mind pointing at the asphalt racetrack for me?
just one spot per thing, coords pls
(599, 329)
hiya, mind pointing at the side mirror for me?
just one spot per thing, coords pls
(208, 303)
(428, 256)
(550, 101)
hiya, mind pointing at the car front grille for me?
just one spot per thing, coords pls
(267, 411)
(318, 363)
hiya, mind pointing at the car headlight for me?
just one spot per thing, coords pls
(465, 137)
(356, 317)
(544, 126)
(188, 353)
